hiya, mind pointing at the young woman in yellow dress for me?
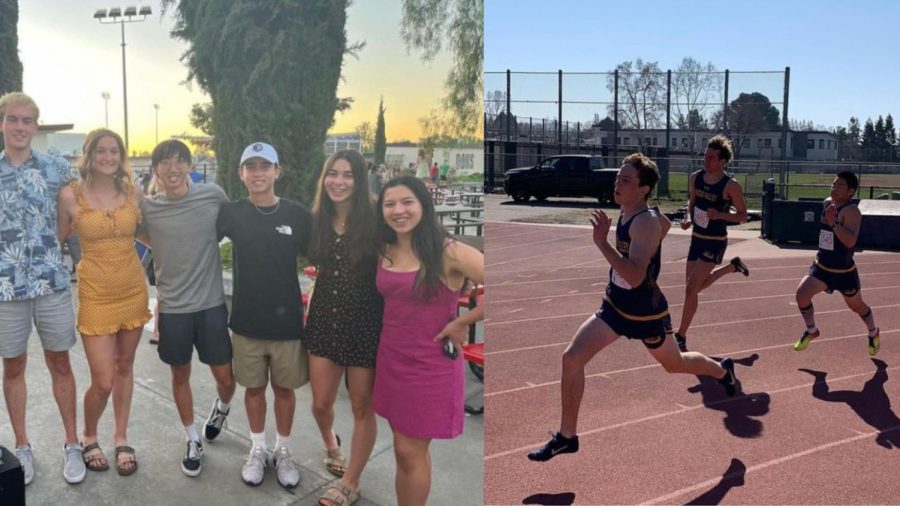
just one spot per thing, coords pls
(104, 209)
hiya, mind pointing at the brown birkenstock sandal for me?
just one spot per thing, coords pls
(126, 470)
(94, 459)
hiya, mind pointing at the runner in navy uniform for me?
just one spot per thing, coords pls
(713, 192)
(634, 306)
(833, 268)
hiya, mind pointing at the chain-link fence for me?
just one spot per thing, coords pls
(639, 107)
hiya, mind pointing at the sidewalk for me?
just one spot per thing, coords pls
(158, 437)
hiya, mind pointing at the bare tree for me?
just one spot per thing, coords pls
(494, 102)
(694, 87)
(642, 95)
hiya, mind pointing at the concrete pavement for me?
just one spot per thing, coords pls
(158, 437)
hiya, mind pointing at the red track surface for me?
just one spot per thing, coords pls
(651, 437)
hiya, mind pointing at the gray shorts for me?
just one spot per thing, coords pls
(52, 315)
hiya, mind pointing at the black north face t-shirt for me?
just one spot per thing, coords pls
(266, 241)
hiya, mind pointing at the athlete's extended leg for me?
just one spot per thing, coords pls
(808, 287)
(593, 335)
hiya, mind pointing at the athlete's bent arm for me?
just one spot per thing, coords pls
(847, 228)
(735, 193)
(645, 237)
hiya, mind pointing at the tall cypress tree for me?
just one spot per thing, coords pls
(10, 65)
(380, 135)
(271, 69)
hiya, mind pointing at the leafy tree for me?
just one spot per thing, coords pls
(880, 134)
(890, 131)
(868, 144)
(380, 135)
(366, 136)
(425, 26)
(10, 65)
(271, 69)
(750, 113)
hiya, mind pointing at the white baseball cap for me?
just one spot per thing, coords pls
(261, 150)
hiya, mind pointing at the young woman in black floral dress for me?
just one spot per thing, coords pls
(344, 320)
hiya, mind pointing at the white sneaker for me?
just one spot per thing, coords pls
(74, 468)
(255, 469)
(287, 472)
(26, 457)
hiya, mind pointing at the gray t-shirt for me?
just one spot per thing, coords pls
(186, 249)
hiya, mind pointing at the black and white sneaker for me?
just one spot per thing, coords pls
(215, 421)
(740, 266)
(192, 463)
(557, 444)
(729, 381)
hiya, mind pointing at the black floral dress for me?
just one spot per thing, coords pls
(344, 321)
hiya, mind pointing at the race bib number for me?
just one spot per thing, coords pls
(619, 281)
(826, 240)
(701, 219)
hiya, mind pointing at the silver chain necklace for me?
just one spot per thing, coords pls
(270, 213)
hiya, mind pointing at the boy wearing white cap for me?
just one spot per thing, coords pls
(267, 233)
(181, 223)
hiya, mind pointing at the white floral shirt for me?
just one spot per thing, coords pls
(31, 263)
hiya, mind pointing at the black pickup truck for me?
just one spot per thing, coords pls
(562, 176)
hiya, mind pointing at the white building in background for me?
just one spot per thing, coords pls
(338, 141)
(49, 139)
(801, 144)
(468, 159)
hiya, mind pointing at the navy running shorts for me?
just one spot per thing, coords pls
(651, 332)
(707, 250)
(847, 283)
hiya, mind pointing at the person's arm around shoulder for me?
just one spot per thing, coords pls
(66, 204)
(846, 226)
(465, 261)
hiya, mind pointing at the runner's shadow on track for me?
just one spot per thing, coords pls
(739, 410)
(871, 404)
(733, 477)
(563, 499)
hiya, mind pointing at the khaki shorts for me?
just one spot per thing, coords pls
(254, 359)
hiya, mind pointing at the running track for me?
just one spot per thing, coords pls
(827, 436)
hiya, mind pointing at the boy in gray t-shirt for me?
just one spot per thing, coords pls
(181, 224)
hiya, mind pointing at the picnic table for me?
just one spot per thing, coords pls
(462, 216)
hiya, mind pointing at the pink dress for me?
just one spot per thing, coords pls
(417, 388)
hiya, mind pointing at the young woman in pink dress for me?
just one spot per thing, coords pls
(418, 386)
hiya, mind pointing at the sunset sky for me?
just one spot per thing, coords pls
(69, 59)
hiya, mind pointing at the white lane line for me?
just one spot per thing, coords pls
(667, 499)
(711, 301)
(627, 423)
(584, 315)
(606, 374)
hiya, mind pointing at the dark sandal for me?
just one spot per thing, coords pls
(339, 495)
(125, 470)
(93, 460)
(334, 459)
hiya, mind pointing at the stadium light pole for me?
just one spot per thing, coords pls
(128, 15)
(156, 107)
(105, 96)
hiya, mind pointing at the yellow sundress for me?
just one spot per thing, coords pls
(112, 290)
